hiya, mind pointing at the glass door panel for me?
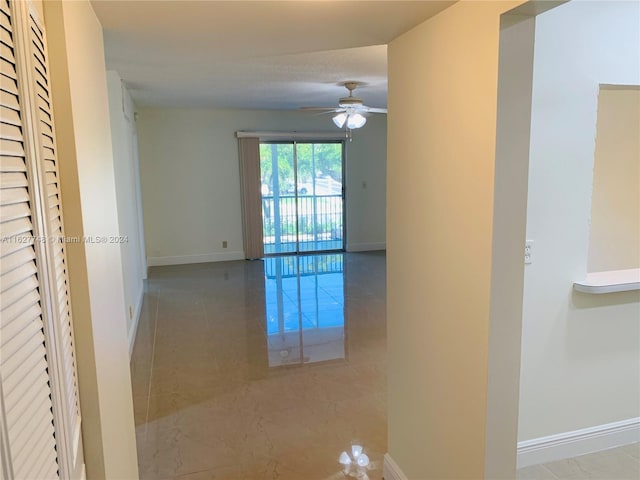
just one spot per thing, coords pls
(320, 212)
(279, 209)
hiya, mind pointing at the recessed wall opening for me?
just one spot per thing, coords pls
(614, 242)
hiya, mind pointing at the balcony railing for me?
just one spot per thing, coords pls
(312, 221)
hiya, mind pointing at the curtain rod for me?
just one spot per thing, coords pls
(292, 135)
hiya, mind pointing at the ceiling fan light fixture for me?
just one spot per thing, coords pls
(351, 112)
(340, 119)
(356, 120)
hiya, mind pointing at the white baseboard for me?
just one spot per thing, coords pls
(578, 442)
(557, 447)
(366, 247)
(200, 258)
(133, 329)
(391, 470)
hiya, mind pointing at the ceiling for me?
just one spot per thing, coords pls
(254, 54)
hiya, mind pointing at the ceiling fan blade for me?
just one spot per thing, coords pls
(376, 110)
(331, 112)
(320, 109)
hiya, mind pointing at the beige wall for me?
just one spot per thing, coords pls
(614, 242)
(90, 209)
(579, 352)
(125, 157)
(191, 188)
(443, 79)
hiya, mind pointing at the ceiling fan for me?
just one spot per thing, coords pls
(351, 110)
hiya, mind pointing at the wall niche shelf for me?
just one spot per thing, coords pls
(609, 282)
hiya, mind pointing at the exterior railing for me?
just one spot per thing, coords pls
(317, 219)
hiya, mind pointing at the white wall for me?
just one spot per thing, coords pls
(191, 187)
(81, 109)
(125, 157)
(580, 353)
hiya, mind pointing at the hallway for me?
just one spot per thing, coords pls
(261, 370)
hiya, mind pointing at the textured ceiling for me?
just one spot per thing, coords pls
(254, 54)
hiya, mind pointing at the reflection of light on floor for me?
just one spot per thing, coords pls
(341, 475)
(356, 463)
(304, 306)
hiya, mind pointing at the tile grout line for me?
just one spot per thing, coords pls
(635, 459)
(209, 328)
(153, 354)
(544, 467)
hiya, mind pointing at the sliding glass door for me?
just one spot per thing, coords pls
(302, 196)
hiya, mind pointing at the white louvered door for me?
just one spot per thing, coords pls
(24, 372)
(39, 408)
(58, 278)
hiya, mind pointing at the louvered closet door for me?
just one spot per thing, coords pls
(56, 251)
(24, 371)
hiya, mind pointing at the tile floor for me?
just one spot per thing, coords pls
(249, 371)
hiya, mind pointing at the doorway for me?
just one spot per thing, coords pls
(302, 196)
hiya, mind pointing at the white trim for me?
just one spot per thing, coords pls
(391, 470)
(6, 467)
(133, 329)
(366, 247)
(200, 258)
(339, 135)
(578, 442)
